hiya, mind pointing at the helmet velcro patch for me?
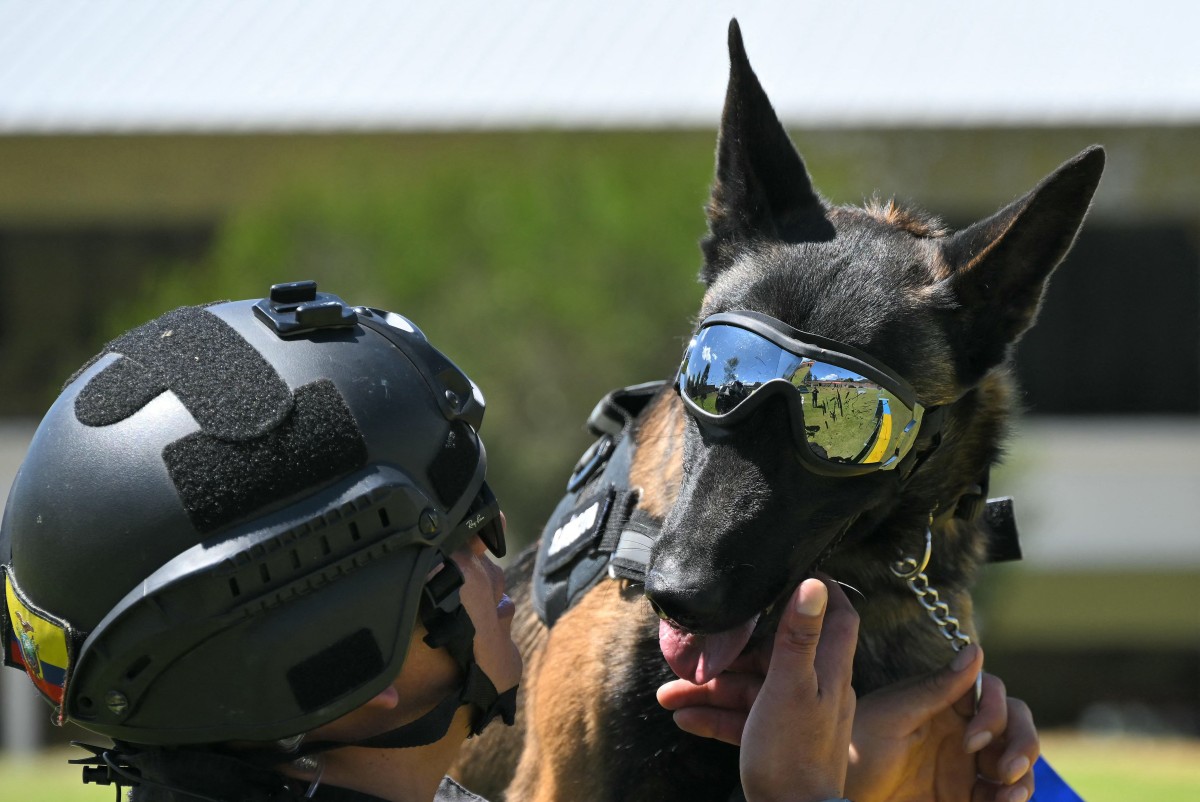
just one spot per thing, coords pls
(222, 380)
(336, 670)
(220, 481)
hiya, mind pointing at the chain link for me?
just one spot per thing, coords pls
(938, 611)
(913, 573)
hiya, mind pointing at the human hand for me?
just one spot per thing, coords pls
(793, 724)
(921, 740)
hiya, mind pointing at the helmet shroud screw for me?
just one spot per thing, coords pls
(116, 702)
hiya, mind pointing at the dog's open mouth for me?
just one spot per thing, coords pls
(699, 658)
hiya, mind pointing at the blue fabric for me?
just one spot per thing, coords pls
(1049, 786)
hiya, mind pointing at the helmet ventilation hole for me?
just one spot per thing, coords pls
(354, 535)
(138, 667)
(233, 586)
(383, 517)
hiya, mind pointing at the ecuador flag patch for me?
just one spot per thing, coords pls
(38, 643)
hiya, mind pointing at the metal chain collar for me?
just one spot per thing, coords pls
(913, 573)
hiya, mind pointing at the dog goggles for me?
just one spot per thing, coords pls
(850, 414)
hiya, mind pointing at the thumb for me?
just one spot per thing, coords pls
(796, 638)
(814, 643)
(938, 690)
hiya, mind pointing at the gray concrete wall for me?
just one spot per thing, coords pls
(22, 712)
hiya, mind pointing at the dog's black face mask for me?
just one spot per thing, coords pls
(750, 520)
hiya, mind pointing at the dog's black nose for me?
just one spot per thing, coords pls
(693, 608)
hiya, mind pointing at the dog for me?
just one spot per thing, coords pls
(741, 519)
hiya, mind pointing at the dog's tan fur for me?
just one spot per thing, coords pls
(657, 465)
(561, 737)
(567, 733)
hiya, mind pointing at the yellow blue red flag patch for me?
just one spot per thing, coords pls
(38, 643)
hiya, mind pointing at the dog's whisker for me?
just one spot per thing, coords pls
(848, 586)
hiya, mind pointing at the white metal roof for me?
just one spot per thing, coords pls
(117, 65)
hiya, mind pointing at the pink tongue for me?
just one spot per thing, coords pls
(699, 658)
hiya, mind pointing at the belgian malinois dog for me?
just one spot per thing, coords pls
(847, 387)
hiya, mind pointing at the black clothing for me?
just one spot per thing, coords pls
(169, 776)
(448, 791)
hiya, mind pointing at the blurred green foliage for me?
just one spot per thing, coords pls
(551, 267)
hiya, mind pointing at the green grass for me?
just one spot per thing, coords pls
(1100, 769)
(46, 777)
(842, 421)
(1126, 769)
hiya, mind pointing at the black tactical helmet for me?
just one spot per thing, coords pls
(224, 525)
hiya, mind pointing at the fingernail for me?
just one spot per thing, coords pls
(1017, 768)
(964, 658)
(813, 601)
(978, 741)
(1018, 794)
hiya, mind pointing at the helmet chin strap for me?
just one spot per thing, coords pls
(449, 627)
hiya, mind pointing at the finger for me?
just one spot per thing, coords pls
(966, 706)
(791, 680)
(1021, 791)
(991, 718)
(834, 660)
(711, 722)
(758, 658)
(799, 628)
(1012, 757)
(730, 691)
(908, 704)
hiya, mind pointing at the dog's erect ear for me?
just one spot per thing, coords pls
(1000, 265)
(762, 189)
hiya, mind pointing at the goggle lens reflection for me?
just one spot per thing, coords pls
(848, 418)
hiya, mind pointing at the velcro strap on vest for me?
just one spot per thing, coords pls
(573, 556)
(631, 554)
(582, 529)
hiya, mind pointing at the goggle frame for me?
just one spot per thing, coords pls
(805, 344)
